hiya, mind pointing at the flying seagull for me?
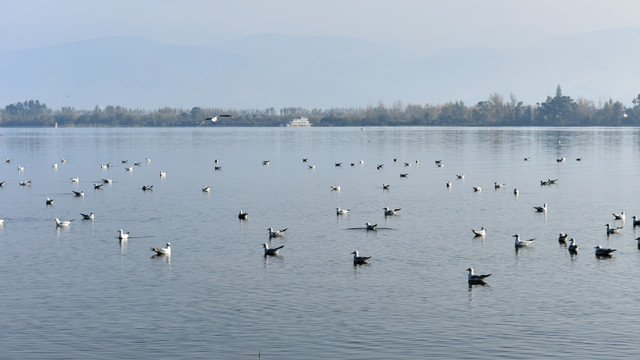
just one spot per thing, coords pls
(213, 119)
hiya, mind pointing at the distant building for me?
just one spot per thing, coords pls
(301, 121)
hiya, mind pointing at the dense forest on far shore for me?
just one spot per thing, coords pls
(557, 110)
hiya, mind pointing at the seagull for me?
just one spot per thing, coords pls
(542, 208)
(2, 183)
(573, 247)
(338, 164)
(130, 168)
(460, 176)
(544, 182)
(636, 222)
(147, 160)
(78, 194)
(279, 233)
(163, 251)
(75, 179)
(305, 159)
(66, 223)
(20, 168)
(620, 216)
(104, 166)
(63, 160)
(163, 174)
(562, 238)
(380, 166)
(516, 191)
(404, 175)
(560, 159)
(477, 189)
(137, 163)
(107, 181)
(407, 164)
(498, 186)
(390, 212)
(125, 161)
(552, 181)
(2, 221)
(449, 183)
(311, 166)
(476, 279)
(207, 188)
(25, 183)
(49, 201)
(385, 186)
(273, 251)
(600, 251)
(54, 165)
(372, 226)
(611, 230)
(522, 243)
(438, 161)
(217, 168)
(97, 186)
(213, 119)
(266, 162)
(340, 211)
(335, 188)
(242, 215)
(123, 235)
(481, 232)
(89, 216)
(638, 240)
(147, 187)
(358, 260)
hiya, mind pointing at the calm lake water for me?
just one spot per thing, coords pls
(78, 293)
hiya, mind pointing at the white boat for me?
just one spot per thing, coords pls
(301, 121)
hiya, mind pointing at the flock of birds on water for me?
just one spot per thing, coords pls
(472, 277)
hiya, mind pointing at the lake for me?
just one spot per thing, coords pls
(78, 292)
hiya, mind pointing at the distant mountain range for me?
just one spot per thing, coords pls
(279, 71)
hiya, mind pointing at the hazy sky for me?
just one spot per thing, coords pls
(428, 25)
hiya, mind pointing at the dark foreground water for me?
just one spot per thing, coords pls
(79, 293)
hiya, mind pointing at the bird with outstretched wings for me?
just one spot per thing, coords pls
(213, 119)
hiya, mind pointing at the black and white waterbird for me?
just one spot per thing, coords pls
(271, 251)
(163, 251)
(276, 233)
(214, 119)
(522, 243)
(358, 260)
(243, 215)
(600, 251)
(473, 278)
(615, 230)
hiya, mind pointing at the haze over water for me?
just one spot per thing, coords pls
(77, 292)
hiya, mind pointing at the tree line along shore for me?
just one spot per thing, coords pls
(557, 110)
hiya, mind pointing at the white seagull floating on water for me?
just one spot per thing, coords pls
(335, 188)
(107, 181)
(562, 238)
(600, 251)
(48, 201)
(481, 232)
(620, 216)
(97, 186)
(78, 193)
(89, 216)
(213, 119)
(357, 259)
(615, 230)
(272, 251)
(573, 247)
(163, 251)
(371, 226)
(542, 208)
(75, 179)
(340, 211)
(476, 279)
(207, 188)
(278, 233)
(123, 235)
(147, 187)
(516, 191)
(65, 223)
(477, 189)
(522, 243)
(163, 174)
(390, 212)
(498, 186)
